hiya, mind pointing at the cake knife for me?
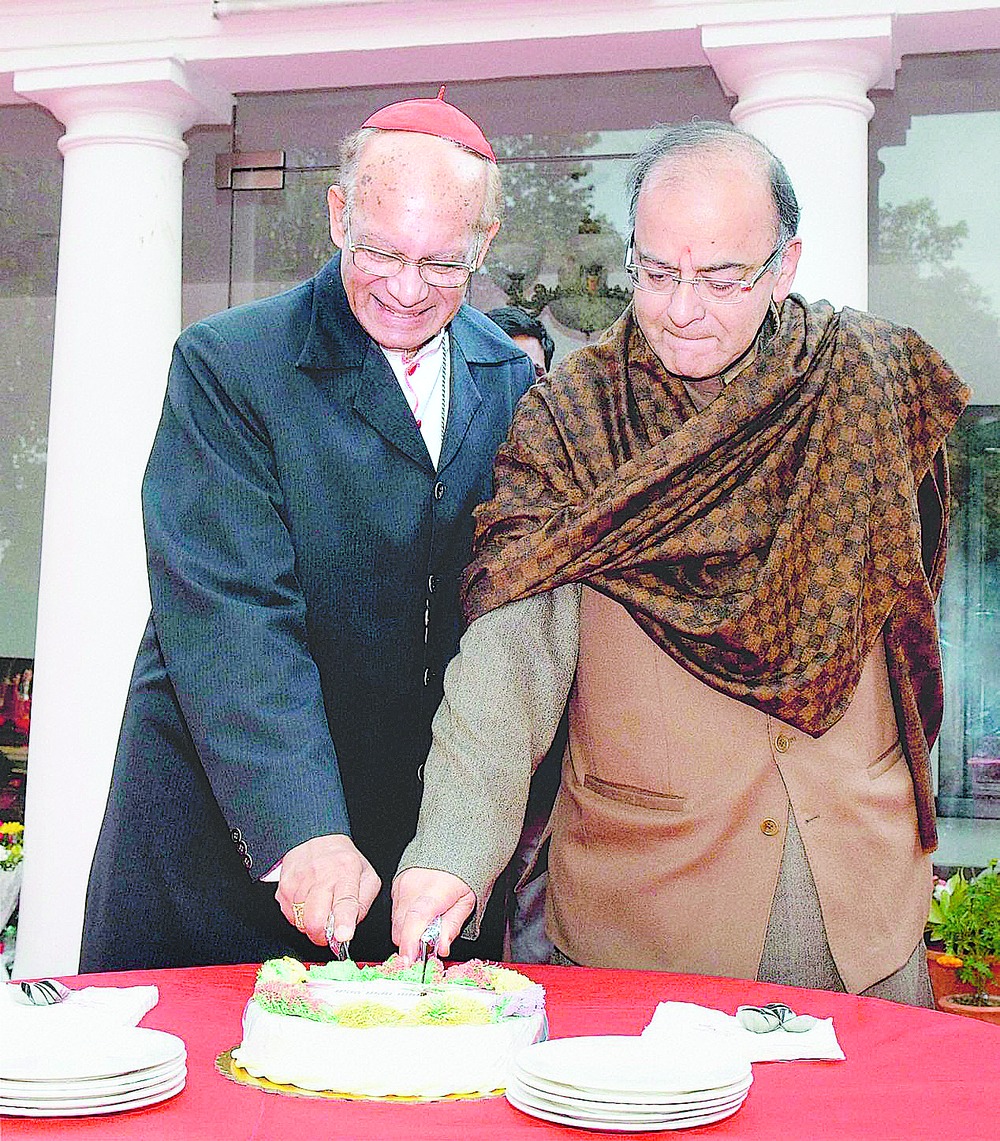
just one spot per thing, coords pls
(341, 950)
(429, 944)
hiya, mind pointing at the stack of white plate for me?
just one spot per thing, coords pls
(630, 1084)
(69, 1076)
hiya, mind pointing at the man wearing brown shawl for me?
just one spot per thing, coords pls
(719, 532)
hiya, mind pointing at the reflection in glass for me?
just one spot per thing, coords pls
(969, 781)
(935, 265)
(559, 255)
(30, 192)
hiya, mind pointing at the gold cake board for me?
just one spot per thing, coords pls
(229, 1069)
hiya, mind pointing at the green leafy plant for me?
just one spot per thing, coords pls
(965, 918)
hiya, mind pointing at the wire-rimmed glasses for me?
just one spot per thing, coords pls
(660, 279)
(380, 263)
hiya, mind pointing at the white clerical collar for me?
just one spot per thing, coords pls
(423, 377)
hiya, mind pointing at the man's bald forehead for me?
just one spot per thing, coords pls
(691, 169)
(706, 149)
(388, 151)
(697, 164)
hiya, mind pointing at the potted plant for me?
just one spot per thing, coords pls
(964, 919)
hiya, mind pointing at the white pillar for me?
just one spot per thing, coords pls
(118, 311)
(802, 89)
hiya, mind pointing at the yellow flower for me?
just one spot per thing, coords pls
(949, 960)
(11, 828)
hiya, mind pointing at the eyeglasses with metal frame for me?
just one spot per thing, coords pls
(716, 290)
(380, 263)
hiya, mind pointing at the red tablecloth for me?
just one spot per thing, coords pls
(909, 1074)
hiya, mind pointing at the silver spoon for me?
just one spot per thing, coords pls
(45, 992)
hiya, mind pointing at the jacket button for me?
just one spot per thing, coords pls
(438, 490)
(420, 772)
(769, 827)
(782, 743)
(431, 584)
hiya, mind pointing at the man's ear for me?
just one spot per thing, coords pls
(336, 200)
(786, 274)
(491, 233)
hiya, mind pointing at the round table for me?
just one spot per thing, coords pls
(909, 1074)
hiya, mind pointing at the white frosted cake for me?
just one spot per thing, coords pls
(379, 1031)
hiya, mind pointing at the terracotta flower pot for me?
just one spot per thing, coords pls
(945, 980)
(950, 1004)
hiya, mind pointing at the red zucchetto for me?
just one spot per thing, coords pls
(432, 117)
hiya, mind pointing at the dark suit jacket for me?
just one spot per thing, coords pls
(296, 534)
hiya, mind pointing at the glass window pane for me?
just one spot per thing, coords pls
(30, 190)
(280, 237)
(559, 254)
(563, 144)
(935, 265)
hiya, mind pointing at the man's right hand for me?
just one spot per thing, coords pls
(420, 895)
(326, 876)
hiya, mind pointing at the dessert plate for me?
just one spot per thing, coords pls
(42, 1093)
(621, 1125)
(80, 1056)
(624, 1099)
(110, 1105)
(92, 1087)
(613, 1111)
(618, 1064)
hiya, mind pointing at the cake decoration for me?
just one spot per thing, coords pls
(377, 1031)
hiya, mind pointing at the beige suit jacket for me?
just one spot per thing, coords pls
(667, 835)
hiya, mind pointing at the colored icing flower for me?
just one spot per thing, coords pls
(286, 970)
(360, 1014)
(475, 971)
(505, 981)
(394, 968)
(449, 1010)
(344, 971)
(522, 1003)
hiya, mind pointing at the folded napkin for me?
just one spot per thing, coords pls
(93, 1006)
(673, 1019)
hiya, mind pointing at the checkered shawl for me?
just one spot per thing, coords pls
(763, 543)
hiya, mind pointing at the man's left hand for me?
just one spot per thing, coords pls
(326, 876)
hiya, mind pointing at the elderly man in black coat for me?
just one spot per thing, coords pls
(308, 512)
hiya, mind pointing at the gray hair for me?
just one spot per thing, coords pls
(684, 141)
(350, 159)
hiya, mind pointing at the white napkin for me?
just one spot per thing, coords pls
(671, 1019)
(93, 1006)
